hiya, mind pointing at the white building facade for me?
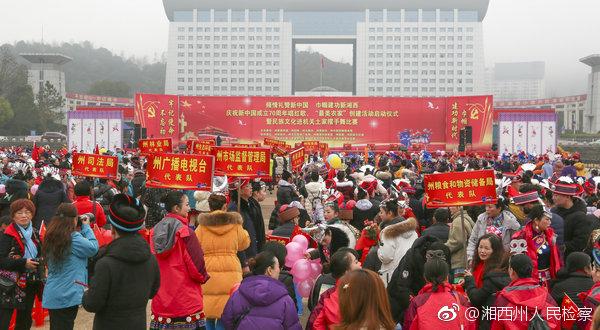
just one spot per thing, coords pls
(518, 81)
(592, 111)
(570, 110)
(401, 48)
(46, 67)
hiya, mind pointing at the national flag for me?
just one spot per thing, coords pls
(97, 150)
(570, 312)
(35, 153)
(42, 232)
(322, 62)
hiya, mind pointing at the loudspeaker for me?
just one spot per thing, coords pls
(468, 134)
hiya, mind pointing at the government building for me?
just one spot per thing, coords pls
(400, 47)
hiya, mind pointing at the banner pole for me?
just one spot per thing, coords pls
(239, 196)
(466, 239)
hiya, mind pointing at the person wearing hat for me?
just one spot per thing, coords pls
(573, 279)
(288, 221)
(126, 274)
(259, 193)
(541, 243)
(572, 209)
(524, 294)
(532, 195)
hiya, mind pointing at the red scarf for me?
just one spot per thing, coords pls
(478, 275)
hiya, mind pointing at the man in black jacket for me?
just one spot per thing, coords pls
(573, 278)
(126, 274)
(439, 228)
(259, 193)
(572, 209)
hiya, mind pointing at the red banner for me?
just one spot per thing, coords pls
(180, 171)
(310, 146)
(96, 166)
(236, 161)
(160, 115)
(202, 147)
(149, 146)
(273, 142)
(247, 145)
(460, 188)
(333, 120)
(297, 158)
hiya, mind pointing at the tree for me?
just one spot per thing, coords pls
(110, 88)
(12, 74)
(50, 106)
(25, 118)
(6, 111)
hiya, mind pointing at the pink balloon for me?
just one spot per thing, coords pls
(290, 260)
(34, 189)
(301, 270)
(294, 249)
(315, 269)
(2, 189)
(305, 287)
(303, 241)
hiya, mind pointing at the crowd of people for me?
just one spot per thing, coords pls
(209, 260)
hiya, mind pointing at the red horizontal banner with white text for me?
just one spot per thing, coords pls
(238, 161)
(460, 188)
(96, 166)
(148, 146)
(332, 120)
(180, 171)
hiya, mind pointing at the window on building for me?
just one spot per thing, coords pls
(428, 16)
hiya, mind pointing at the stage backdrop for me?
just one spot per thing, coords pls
(534, 133)
(86, 129)
(333, 120)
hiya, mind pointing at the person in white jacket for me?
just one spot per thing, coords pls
(314, 189)
(394, 241)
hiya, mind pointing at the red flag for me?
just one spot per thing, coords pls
(35, 153)
(42, 232)
(97, 150)
(322, 62)
(570, 312)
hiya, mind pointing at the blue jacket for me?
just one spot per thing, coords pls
(60, 290)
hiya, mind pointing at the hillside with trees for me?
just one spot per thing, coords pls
(308, 72)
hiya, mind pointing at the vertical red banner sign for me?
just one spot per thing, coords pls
(460, 188)
(297, 158)
(96, 166)
(180, 171)
(237, 161)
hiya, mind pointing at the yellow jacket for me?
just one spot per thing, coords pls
(221, 236)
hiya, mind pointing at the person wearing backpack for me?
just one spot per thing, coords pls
(526, 298)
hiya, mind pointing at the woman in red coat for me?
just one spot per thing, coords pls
(540, 241)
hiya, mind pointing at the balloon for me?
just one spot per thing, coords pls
(2, 189)
(291, 260)
(305, 287)
(294, 252)
(301, 270)
(335, 161)
(294, 249)
(330, 157)
(315, 269)
(34, 189)
(302, 240)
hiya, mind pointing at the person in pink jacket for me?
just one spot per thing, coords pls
(178, 303)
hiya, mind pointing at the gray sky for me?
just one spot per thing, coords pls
(558, 32)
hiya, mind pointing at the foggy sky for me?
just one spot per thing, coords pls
(555, 31)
